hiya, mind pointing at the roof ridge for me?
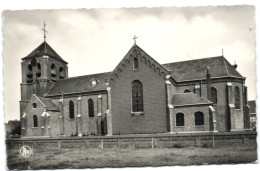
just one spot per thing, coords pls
(226, 67)
(203, 58)
(194, 95)
(84, 76)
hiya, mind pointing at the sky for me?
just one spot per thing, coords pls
(95, 40)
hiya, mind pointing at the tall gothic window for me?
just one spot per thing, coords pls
(214, 97)
(237, 98)
(90, 108)
(137, 96)
(71, 109)
(199, 118)
(135, 63)
(179, 119)
(35, 121)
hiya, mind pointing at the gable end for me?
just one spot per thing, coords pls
(142, 56)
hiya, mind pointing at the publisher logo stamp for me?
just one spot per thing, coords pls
(25, 151)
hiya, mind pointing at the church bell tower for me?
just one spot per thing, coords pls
(42, 68)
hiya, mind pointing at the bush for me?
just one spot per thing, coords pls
(16, 130)
(178, 146)
(206, 146)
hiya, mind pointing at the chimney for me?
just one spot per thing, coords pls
(208, 81)
(235, 65)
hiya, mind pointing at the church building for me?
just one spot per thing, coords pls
(140, 96)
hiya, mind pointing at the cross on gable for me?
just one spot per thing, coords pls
(44, 30)
(135, 39)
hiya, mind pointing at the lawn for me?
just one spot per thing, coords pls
(50, 158)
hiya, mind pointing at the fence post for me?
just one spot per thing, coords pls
(59, 143)
(152, 143)
(213, 141)
(102, 144)
(34, 143)
(118, 143)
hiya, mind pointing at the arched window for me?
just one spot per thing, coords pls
(61, 69)
(214, 96)
(199, 118)
(29, 67)
(237, 98)
(38, 71)
(53, 70)
(137, 96)
(135, 63)
(61, 72)
(29, 74)
(53, 66)
(90, 108)
(71, 109)
(35, 121)
(186, 91)
(179, 119)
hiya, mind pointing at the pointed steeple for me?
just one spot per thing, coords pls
(44, 49)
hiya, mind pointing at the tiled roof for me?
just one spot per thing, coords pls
(183, 99)
(252, 106)
(79, 84)
(50, 105)
(44, 49)
(197, 69)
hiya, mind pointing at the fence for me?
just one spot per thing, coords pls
(140, 141)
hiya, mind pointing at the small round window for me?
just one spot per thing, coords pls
(34, 105)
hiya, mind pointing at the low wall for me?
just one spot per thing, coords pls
(140, 141)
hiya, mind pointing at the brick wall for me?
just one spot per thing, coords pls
(189, 118)
(239, 118)
(141, 141)
(222, 109)
(154, 98)
(88, 124)
(30, 130)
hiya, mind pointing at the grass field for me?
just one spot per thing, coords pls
(44, 158)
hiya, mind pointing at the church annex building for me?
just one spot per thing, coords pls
(140, 96)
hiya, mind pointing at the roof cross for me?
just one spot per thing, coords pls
(44, 30)
(135, 39)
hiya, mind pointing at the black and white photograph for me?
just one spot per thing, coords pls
(129, 87)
